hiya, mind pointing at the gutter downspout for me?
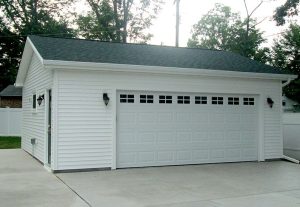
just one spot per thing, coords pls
(287, 82)
(291, 159)
(284, 156)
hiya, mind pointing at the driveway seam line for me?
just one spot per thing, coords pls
(84, 200)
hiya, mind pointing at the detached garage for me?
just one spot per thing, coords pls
(91, 104)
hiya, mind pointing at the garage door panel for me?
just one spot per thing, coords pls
(146, 156)
(200, 137)
(250, 153)
(232, 118)
(146, 118)
(217, 154)
(165, 156)
(127, 117)
(216, 118)
(200, 155)
(127, 158)
(182, 117)
(157, 134)
(233, 153)
(165, 117)
(128, 138)
(200, 117)
(165, 137)
(147, 137)
(184, 155)
(184, 137)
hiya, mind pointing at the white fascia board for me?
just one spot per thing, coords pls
(73, 65)
(28, 51)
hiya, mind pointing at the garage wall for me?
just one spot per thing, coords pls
(86, 126)
(38, 79)
(273, 123)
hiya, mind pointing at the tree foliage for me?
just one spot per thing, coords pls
(20, 18)
(223, 29)
(288, 9)
(119, 20)
(10, 50)
(98, 24)
(35, 16)
(286, 55)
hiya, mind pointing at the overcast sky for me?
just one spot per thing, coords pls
(163, 27)
(191, 11)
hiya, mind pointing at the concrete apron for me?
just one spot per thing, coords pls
(24, 182)
(248, 184)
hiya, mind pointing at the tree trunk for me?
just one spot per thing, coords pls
(34, 16)
(117, 22)
(177, 23)
(125, 20)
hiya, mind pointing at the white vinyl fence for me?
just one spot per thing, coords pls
(10, 121)
(291, 134)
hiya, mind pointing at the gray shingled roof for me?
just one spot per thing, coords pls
(136, 54)
(11, 91)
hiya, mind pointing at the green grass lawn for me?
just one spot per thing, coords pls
(10, 142)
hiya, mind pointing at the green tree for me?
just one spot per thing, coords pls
(223, 29)
(288, 9)
(98, 24)
(20, 18)
(9, 45)
(119, 20)
(286, 55)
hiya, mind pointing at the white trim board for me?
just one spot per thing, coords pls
(73, 65)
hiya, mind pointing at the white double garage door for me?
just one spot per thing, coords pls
(159, 128)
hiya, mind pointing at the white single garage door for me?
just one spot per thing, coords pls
(158, 128)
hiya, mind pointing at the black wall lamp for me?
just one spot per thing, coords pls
(105, 99)
(270, 102)
(40, 99)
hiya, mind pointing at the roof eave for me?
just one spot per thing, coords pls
(74, 65)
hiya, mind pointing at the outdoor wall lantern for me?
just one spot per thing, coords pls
(40, 99)
(270, 102)
(105, 98)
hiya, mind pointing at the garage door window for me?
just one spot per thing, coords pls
(249, 101)
(126, 98)
(146, 98)
(217, 100)
(233, 101)
(165, 99)
(200, 99)
(183, 99)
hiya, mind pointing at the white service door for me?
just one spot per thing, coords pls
(158, 128)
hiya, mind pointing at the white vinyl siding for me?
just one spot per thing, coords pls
(273, 123)
(86, 127)
(84, 124)
(37, 81)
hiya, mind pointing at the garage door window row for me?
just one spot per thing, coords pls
(167, 99)
(146, 98)
(126, 98)
(183, 100)
(248, 101)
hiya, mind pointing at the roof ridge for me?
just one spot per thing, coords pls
(128, 43)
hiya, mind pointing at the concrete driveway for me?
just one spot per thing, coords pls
(24, 182)
(266, 184)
